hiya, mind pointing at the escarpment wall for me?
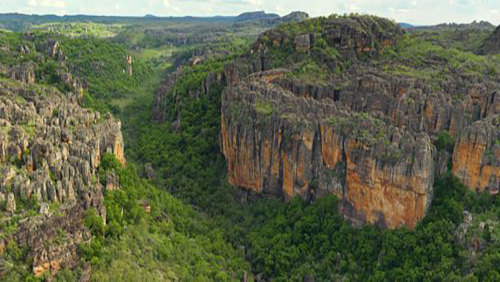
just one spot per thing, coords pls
(268, 153)
(278, 143)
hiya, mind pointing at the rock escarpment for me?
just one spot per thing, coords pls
(364, 135)
(259, 15)
(329, 106)
(285, 135)
(50, 150)
(279, 143)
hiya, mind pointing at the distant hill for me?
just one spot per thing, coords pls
(481, 25)
(295, 16)
(270, 19)
(406, 25)
(22, 22)
(260, 15)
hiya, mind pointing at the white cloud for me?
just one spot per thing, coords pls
(353, 7)
(53, 3)
(166, 3)
(32, 3)
(255, 2)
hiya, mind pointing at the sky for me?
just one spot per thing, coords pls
(409, 11)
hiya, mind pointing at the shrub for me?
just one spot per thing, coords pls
(445, 142)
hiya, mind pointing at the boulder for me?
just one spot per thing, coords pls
(10, 205)
(149, 170)
(302, 42)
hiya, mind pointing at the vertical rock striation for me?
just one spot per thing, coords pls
(278, 143)
(476, 157)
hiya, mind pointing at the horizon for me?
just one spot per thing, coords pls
(415, 12)
(223, 16)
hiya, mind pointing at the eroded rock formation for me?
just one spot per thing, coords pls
(50, 149)
(365, 136)
(279, 143)
(476, 157)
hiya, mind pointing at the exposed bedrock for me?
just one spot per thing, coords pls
(476, 157)
(50, 150)
(278, 143)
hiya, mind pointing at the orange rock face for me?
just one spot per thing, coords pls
(476, 156)
(331, 149)
(289, 156)
(241, 169)
(385, 194)
(118, 150)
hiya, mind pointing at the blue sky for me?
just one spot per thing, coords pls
(412, 11)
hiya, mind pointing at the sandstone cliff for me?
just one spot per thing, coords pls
(365, 134)
(279, 143)
(476, 157)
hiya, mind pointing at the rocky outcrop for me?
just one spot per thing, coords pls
(278, 143)
(295, 17)
(50, 150)
(24, 72)
(474, 25)
(200, 55)
(52, 47)
(166, 96)
(163, 94)
(298, 122)
(53, 240)
(262, 16)
(350, 36)
(10, 205)
(33, 71)
(408, 102)
(365, 136)
(149, 171)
